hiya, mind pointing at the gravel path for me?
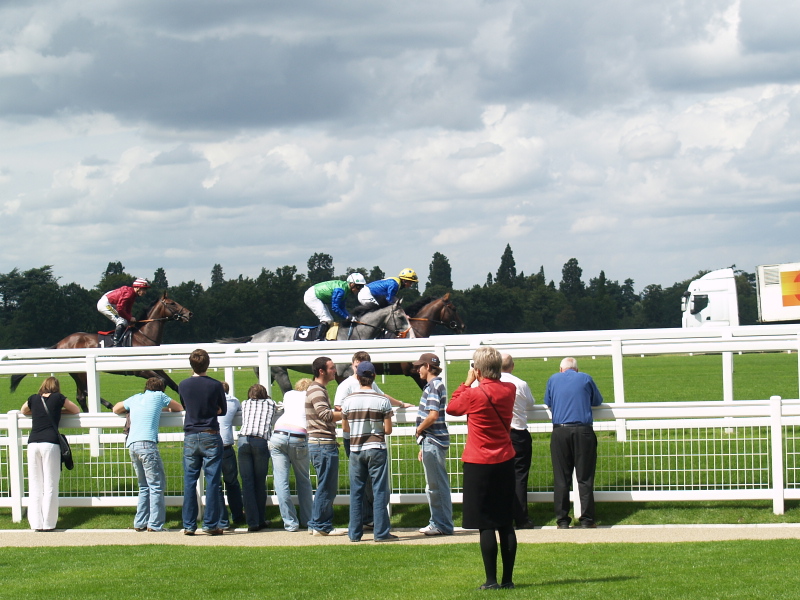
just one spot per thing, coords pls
(613, 534)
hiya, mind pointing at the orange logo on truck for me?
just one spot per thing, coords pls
(790, 288)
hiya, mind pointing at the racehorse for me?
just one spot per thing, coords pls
(388, 322)
(146, 332)
(424, 314)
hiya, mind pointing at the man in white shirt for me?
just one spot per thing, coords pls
(521, 440)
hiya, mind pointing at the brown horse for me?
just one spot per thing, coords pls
(146, 332)
(424, 315)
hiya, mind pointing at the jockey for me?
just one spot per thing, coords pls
(384, 291)
(117, 305)
(328, 296)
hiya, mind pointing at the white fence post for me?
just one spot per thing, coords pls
(264, 372)
(619, 385)
(727, 370)
(16, 475)
(776, 433)
(93, 402)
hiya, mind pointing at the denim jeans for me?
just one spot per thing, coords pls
(201, 450)
(287, 450)
(366, 506)
(369, 465)
(230, 477)
(253, 467)
(325, 458)
(437, 485)
(151, 510)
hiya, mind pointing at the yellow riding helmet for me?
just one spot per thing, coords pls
(409, 275)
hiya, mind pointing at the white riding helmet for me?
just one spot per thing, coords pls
(356, 278)
(140, 283)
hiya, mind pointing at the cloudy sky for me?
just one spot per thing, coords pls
(646, 138)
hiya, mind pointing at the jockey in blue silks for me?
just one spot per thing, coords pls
(383, 292)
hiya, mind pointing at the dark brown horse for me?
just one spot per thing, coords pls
(424, 315)
(146, 332)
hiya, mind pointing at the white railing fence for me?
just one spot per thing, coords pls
(647, 451)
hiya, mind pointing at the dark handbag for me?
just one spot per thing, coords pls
(66, 451)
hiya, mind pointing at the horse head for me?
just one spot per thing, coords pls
(398, 325)
(449, 316)
(167, 309)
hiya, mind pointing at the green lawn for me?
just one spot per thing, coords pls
(725, 570)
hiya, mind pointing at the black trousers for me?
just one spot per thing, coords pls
(573, 448)
(523, 449)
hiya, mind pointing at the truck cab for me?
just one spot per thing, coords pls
(711, 301)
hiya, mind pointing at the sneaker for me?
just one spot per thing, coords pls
(389, 538)
(431, 530)
(187, 531)
(216, 531)
(333, 531)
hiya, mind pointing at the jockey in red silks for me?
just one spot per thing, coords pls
(117, 305)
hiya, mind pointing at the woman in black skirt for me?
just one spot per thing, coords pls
(488, 462)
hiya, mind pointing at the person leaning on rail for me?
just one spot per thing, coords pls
(570, 395)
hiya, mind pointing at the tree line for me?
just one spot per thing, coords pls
(36, 311)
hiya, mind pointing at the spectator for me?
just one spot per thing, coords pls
(322, 447)
(145, 416)
(258, 413)
(434, 441)
(230, 471)
(570, 395)
(368, 418)
(203, 399)
(289, 446)
(488, 463)
(521, 440)
(44, 453)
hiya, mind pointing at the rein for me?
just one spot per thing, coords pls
(399, 333)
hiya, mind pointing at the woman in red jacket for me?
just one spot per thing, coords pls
(488, 462)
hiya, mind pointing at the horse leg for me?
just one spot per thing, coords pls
(281, 376)
(81, 392)
(167, 380)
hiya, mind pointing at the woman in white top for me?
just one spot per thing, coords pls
(288, 445)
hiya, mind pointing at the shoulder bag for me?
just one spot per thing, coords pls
(66, 451)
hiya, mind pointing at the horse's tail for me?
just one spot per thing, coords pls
(231, 340)
(15, 379)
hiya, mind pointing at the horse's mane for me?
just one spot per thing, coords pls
(414, 308)
(361, 310)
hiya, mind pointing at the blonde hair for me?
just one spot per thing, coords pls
(488, 361)
(302, 384)
(50, 386)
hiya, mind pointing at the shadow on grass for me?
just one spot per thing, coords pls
(585, 580)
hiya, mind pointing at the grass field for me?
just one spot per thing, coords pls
(742, 569)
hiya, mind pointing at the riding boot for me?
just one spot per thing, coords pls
(321, 331)
(119, 331)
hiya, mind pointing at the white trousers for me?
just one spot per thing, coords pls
(365, 297)
(107, 309)
(317, 306)
(44, 471)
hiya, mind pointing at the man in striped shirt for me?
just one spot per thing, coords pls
(368, 418)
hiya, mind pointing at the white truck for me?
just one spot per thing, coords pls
(711, 301)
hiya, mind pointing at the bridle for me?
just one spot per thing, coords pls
(175, 314)
(396, 331)
(452, 324)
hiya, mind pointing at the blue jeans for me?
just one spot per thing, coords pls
(202, 450)
(151, 510)
(230, 477)
(369, 465)
(366, 506)
(325, 458)
(287, 450)
(437, 486)
(253, 467)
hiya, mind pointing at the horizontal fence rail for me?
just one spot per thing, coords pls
(748, 450)
(647, 451)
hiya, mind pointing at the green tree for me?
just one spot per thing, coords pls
(160, 280)
(507, 273)
(571, 284)
(113, 277)
(440, 279)
(217, 276)
(376, 274)
(320, 268)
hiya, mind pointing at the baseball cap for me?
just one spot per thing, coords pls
(428, 359)
(365, 368)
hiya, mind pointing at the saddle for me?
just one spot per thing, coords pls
(105, 339)
(309, 334)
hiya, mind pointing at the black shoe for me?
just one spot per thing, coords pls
(507, 586)
(489, 586)
(254, 529)
(526, 525)
(563, 525)
(588, 525)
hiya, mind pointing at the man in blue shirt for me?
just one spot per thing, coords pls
(573, 445)
(142, 443)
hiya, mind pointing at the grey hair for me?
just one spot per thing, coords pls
(569, 363)
(488, 361)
